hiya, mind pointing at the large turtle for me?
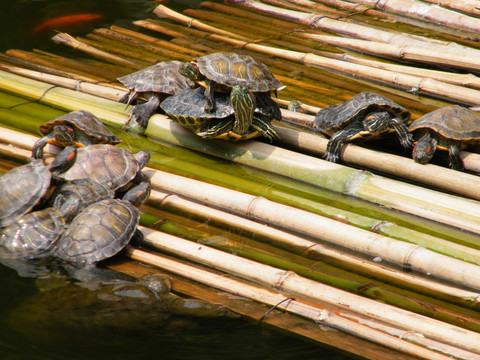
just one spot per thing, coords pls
(252, 81)
(24, 186)
(449, 128)
(365, 115)
(114, 167)
(100, 231)
(33, 235)
(74, 128)
(153, 84)
(188, 109)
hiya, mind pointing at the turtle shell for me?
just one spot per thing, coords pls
(188, 108)
(84, 121)
(21, 188)
(100, 231)
(106, 164)
(228, 68)
(336, 117)
(160, 78)
(452, 122)
(32, 235)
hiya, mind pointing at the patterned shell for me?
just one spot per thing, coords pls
(32, 236)
(453, 122)
(236, 69)
(21, 188)
(98, 232)
(162, 78)
(336, 117)
(85, 121)
(106, 164)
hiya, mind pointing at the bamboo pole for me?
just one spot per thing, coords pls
(290, 282)
(427, 12)
(466, 6)
(274, 299)
(419, 84)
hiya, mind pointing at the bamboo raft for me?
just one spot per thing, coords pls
(382, 249)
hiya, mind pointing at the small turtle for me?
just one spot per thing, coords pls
(252, 81)
(100, 231)
(449, 128)
(363, 116)
(24, 186)
(111, 166)
(153, 84)
(75, 128)
(33, 235)
(188, 109)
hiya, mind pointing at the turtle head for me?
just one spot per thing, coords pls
(190, 71)
(63, 134)
(243, 102)
(425, 148)
(377, 122)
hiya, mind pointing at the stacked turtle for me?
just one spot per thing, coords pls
(222, 95)
(81, 207)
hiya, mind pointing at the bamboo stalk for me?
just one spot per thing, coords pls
(291, 283)
(466, 6)
(275, 299)
(427, 12)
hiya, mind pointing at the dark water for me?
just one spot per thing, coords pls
(27, 24)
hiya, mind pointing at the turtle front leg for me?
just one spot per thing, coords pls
(209, 96)
(264, 127)
(335, 143)
(214, 128)
(405, 137)
(455, 162)
(142, 112)
(243, 103)
(37, 149)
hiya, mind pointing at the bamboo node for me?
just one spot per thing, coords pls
(285, 275)
(379, 225)
(355, 180)
(406, 260)
(406, 334)
(324, 314)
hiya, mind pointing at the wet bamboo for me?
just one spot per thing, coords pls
(290, 282)
(422, 85)
(310, 249)
(427, 12)
(275, 299)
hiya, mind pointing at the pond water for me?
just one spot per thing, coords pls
(29, 24)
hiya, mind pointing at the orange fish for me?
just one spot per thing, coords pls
(64, 21)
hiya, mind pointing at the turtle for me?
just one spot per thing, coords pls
(188, 109)
(449, 128)
(100, 231)
(365, 115)
(24, 186)
(248, 81)
(114, 167)
(31, 236)
(153, 84)
(71, 198)
(74, 128)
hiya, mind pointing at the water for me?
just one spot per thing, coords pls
(24, 25)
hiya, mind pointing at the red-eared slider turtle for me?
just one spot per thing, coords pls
(449, 128)
(75, 128)
(33, 235)
(71, 198)
(188, 109)
(100, 231)
(365, 115)
(224, 71)
(23, 187)
(153, 84)
(111, 166)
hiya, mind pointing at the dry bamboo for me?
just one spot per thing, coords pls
(409, 82)
(466, 6)
(427, 12)
(289, 282)
(280, 301)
